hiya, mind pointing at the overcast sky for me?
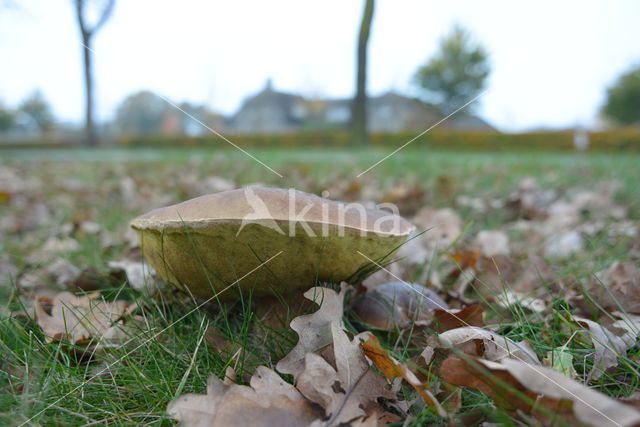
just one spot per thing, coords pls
(552, 60)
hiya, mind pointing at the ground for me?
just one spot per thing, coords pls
(70, 208)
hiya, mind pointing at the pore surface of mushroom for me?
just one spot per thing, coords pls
(204, 244)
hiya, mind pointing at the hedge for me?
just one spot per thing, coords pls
(617, 140)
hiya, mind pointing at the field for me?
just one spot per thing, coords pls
(64, 217)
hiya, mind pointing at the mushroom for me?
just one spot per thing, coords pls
(205, 244)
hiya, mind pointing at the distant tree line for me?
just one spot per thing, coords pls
(32, 115)
(622, 105)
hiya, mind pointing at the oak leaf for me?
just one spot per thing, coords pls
(268, 401)
(541, 392)
(349, 390)
(82, 320)
(314, 330)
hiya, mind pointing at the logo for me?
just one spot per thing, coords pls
(260, 214)
(327, 215)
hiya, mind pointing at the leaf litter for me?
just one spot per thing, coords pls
(341, 375)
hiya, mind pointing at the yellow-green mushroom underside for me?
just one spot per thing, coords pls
(205, 244)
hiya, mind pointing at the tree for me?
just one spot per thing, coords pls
(456, 74)
(38, 110)
(359, 133)
(622, 105)
(87, 32)
(142, 113)
(7, 118)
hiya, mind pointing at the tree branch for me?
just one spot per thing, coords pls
(104, 17)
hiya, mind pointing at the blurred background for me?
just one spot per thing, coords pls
(489, 75)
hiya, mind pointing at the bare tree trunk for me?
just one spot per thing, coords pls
(86, 33)
(359, 133)
(89, 131)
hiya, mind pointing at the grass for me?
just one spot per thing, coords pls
(45, 384)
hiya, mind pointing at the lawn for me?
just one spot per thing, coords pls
(64, 215)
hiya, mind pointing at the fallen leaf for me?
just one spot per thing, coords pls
(217, 340)
(608, 347)
(529, 201)
(492, 242)
(508, 298)
(471, 315)
(52, 249)
(494, 274)
(629, 323)
(539, 391)
(466, 258)
(348, 391)
(82, 320)
(564, 245)
(230, 376)
(5, 196)
(391, 368)
(443, 226)
(479, 342)
(276, 312)
(59, 273)
(63, 272)
(314, 330)
(559, 359)
(397, 305)
(91, 279)
(618, 287)
(139, 275)
(268, 401)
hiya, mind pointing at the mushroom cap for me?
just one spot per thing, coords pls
(281, 205)
(204, 244)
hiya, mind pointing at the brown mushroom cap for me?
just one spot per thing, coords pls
(207, 243)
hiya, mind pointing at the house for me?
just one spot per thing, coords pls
(271, 111)
(393, 112)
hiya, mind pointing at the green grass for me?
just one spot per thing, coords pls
(45, 384)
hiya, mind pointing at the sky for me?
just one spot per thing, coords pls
(552, 60)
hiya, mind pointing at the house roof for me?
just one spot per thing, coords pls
(272, 110)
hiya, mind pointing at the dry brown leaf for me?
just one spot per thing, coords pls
(230, 376)
(493, 274)
(375, 419)
(52, 249)
(397, 305)
(218, 341)
(491, 243)
(276, 312)
(480, 342)
(268, 401)
(392, 368)
(466, 258)
(508, 298)
(618, 287)
(314, 330)
(629, 323)
(348, 391)
(471, 315)
(408, 199)
(82, 320)
(608, 346)
(539, 391)
(529, 201)
(443, 226)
